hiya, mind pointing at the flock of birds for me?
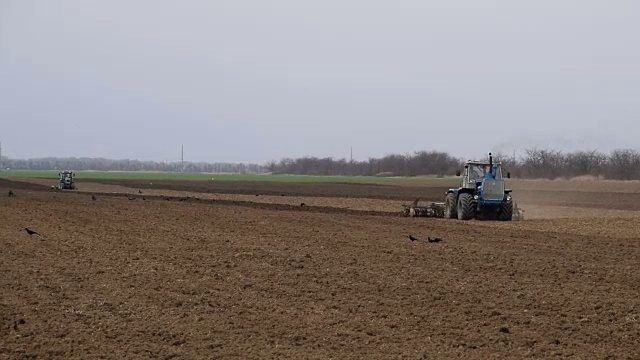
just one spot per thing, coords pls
(94, 198)
(429, 239)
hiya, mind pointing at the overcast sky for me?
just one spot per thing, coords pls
(255, 80)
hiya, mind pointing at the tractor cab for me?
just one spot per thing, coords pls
(476, 172)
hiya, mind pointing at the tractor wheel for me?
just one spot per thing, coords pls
(505, 212)
(465, 206)
(450, 206)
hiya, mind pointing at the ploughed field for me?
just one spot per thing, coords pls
(209, 269)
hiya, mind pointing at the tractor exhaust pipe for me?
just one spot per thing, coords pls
(490, 162)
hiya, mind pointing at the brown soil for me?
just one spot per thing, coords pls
(228, 278)
(351, 190)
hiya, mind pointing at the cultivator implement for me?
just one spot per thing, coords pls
(436, 210)
(431, 210)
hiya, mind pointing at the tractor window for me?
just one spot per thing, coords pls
(479, 172)
(476, 171)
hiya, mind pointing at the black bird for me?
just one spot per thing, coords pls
(139, 191)
(303, 204)
(412, 238)
(30, 232)
(434, 240)
(11, 193)
(93, 197)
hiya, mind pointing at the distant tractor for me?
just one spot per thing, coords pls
(67, 180)
(482, 193)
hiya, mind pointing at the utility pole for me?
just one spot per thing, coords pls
(350, 167)
(182, 159)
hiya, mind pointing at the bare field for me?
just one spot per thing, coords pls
(237, 270)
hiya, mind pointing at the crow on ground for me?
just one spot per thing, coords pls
(412, 238)
(303, 204)
(18, 322)
(30, 232)
(11, 194)
(93, 197)
(434, 240)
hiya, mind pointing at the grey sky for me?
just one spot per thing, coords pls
(256, 80)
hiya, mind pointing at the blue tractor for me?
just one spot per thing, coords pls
(481, 195)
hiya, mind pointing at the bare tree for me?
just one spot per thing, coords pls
(542, 163)
(623, 164)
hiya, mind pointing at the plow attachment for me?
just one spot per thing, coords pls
(436, 210)
(430, 210)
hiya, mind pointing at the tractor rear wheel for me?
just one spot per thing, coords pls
(465, 206)
(505, 212)
(451, 206)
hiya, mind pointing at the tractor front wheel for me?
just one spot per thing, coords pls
(505, 212)
(465, 206)
(450, 206)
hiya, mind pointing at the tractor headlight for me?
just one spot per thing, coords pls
(508, 197)
(475, 197)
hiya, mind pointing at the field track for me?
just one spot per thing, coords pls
(207, 269)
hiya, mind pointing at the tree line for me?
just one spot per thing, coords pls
(420, 163)
(101, 164)
(622, 164)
